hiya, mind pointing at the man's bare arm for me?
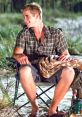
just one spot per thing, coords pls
(19, 56)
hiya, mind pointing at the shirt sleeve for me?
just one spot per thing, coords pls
(61, 44)
(20, 40)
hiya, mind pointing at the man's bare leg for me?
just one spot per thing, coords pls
(29, 86)
(67, 77)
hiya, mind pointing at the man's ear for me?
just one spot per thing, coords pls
(38, 16)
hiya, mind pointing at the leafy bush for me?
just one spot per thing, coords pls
(6, 19)
(8, 35)
(75, 45)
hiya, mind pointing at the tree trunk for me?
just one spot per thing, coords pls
(18, 4)
(65, 4)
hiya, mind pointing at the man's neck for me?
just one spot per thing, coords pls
(38, 31)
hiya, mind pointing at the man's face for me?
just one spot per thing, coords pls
(30, 19)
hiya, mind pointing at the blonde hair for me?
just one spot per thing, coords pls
(33, 7)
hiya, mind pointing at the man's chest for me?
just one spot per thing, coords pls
(47, 47)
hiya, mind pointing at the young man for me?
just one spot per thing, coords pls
(34, 41)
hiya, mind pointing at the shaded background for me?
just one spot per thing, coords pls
(16, 5)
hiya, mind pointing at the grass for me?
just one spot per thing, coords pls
(8, 35)
(75, 46)
(10, 18)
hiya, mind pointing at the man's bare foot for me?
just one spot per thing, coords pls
(51, 111)
(35, 109)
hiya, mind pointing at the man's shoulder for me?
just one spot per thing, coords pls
(24, 30)
(53, 29)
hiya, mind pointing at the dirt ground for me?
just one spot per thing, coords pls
(8, 112)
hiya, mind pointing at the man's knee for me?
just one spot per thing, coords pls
(68, 74)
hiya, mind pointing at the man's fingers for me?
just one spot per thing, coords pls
(23, 60)
(63, 58)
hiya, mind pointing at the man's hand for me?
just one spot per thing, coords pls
(19, 56)
(22, 59)
(65, 56)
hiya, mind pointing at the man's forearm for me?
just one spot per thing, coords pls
(17, 55)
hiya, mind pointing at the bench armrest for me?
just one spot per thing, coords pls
(11, 62)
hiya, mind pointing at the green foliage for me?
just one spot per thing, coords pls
(8, 34)
(9, 18)
(7, 5)
(6, 100)
(9, 31)
(75, 45)
(74, 1)
(4, 1)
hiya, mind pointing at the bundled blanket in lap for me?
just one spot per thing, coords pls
(49, 66)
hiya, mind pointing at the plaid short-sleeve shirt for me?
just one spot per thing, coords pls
(53, 42)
